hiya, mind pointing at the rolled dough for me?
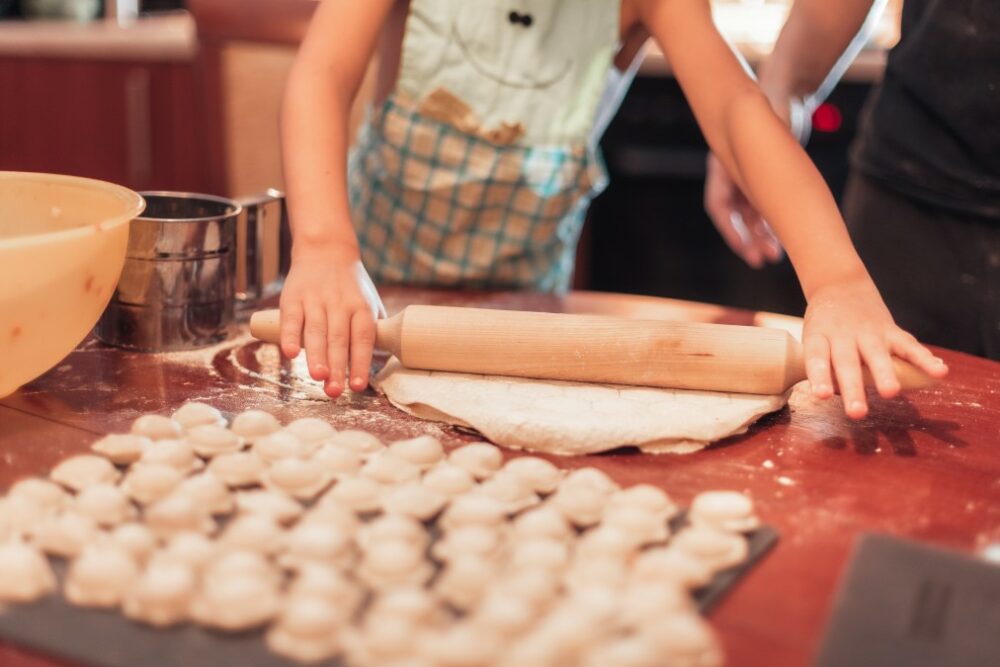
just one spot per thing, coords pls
(570, 417)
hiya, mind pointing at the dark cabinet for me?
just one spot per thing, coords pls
(132, 123)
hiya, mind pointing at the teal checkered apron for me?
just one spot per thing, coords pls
(435, 205)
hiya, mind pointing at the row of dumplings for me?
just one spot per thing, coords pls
(398, 554)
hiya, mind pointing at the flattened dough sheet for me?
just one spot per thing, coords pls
(572, 417)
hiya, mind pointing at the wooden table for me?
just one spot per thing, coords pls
(924, 466)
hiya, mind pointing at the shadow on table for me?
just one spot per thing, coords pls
(896, 421)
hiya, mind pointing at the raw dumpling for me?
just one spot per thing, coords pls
(296, 477)
(337, 460)
(505, 614)
(41, 492)
(461, 644)
(79, 472)
(388, 563)
(724, 510)
(193, 549)
(64, 534)
(100, 576)
(607, 572)
(210, 440)
(194, 414)
(685, 640)
(122, 448)
(177, 514)
(715, 548)
(511, 489)
(543, 521)
(18, 515)
(25, 575)
(361, 494)
(394, 527)
(135, 538)
(473, 509)
(414, 500)
(606, 542)
(234, 601)
(387, 468)
(385, 641)
(472, 540)
(310, 430)
(625, 651)
(581, 504)
(317, 543)
(272, 503)
(308, 629)
(642, 525)
(643, 600)
(157, 427)
(360, 441)
(541, 475)
(254, 532)
(647, 497)
(244, 563)
(238, 469)
(148, 482)
(480, 459)
(662, 564)
(281, 445)
(449, 479)
(414, 604)
(536, 586)
(177, 454)
(104, 503)
(253, 424)
(545, 553)
(162, 594)
(208, 491)
(424, 450)
(325, 580)
(591, 477)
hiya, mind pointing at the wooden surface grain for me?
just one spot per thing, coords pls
(924, 466)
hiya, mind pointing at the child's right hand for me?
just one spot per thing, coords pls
(329, 307)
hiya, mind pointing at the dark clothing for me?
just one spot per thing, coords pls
(933, 126)
(938, 271)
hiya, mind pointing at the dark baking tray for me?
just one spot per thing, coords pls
(108, 639)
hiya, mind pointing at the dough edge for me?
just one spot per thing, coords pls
(389, 379)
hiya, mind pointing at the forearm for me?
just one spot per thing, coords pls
(314, 155)
(818, 42)
(753, 144)
(314, 119)
(783, 184)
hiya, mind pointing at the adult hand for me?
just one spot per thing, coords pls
(739, 223)
(742, 228)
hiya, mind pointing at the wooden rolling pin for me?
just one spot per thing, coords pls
(593, 348)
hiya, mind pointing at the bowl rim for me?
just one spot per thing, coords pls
(133, 205)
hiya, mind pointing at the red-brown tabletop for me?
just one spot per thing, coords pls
(924, 466)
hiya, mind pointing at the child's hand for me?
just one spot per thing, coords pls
(329, 306)
(848, 324)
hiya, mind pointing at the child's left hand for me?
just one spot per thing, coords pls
(846, 324)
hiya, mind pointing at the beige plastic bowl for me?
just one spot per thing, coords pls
(62, 248)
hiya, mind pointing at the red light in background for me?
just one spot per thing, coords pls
(827, 118)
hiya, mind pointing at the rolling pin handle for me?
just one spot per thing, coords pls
(265, 325)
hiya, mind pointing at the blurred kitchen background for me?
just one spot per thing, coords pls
(184, 95)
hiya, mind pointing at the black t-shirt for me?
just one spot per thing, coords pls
(933, 126)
